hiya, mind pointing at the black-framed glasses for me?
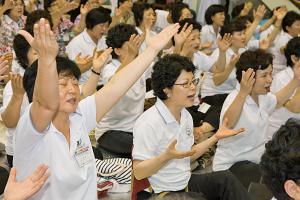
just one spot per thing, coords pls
(188, 84)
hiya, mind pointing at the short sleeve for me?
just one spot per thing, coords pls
(87, 107)
(107, 72)
(269, 103)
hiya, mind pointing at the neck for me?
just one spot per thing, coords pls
(14, 18)
(216, 28)
(90, 33)
(235, 49)
(254, 96)
(174, 109)
(62, 123)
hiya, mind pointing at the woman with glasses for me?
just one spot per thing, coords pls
(163, 138)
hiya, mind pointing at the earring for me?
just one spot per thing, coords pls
(168, 95)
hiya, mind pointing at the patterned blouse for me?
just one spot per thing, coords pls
(8, 30)
(64, 34)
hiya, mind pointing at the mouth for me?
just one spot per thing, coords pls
(192, 96)
(72, 101)
(268, 88)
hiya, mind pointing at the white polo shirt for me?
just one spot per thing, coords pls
(67, 180)
(84, 44)
(7, 95)
(209, 35)
(152, 133)
(250, 144)
(280, 115)
(209, 88)
(124, 114)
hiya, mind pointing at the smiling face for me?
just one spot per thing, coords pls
(69, 93)
(18, 10)
(183, 96)
(263, 81)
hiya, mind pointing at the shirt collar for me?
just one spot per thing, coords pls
(87, 37)
(9, 20)
(211, 29)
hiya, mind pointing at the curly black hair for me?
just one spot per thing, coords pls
(281, 160)
(254, 59)
(34, 17)
(118, 35)
(166, 71)
(292, 48)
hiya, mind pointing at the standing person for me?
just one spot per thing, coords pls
(54, 128)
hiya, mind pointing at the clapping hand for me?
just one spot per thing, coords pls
(247, 81)
(100, 59)
(172, 153)
(3, 68)
(225, 42)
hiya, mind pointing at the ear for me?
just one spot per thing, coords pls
(294, 59)
(117, 51)
(292, 189)
(168, 92)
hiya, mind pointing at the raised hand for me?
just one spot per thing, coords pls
(133, 46)
(100, 59)
(180, 37)
(68, 6)
(280, 13)
(172, 153)
(234, 59)
(224, 132)
(3, 68)
(83, 62)
(17, 85)
(9, 4)
(247, 7)
(225, 42)
(23, 190)
(247, 81)
(264, 44)
(84, 9)
(159, 41)
(44, 42)
(259, 13)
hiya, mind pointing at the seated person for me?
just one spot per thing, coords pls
(163, 138)
(280, 162)
(249, 106)
(123, 14)
(114, 131)
(291, 108)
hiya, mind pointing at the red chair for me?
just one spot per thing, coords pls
(138, 186)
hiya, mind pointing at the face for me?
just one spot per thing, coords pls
(185, 14)
(238, 39)
(100, 29)
(218, 19)
(126, 5)
(263, 81)
(294, 29)
(69, 94)
(183, 92)
(149, 17)
(195, 36)
(18, 10)
(32, 56)
(94, 3)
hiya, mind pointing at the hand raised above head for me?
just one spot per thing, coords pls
(225, 42)
(44, 42)
(3, 68)
(17, 85)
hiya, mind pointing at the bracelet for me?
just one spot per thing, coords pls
(97, 73)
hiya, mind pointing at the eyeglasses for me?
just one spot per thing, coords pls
(188, 84)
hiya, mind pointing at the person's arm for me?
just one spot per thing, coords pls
(223, 45)
(98, 62)
(30, 7)
(223, 132)
(84, 63)
(78, 28)
(125, 78)
(285, 93)
(65, 8)
(259, 14)
(221, 77)
(234, 111)
(8, 4)
(11, 114)
(180, 38)
(22, 190)
(146, 168)
(293, 105)
(267, 24)
(45, 104)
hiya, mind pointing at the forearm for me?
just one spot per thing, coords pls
(250, 31)
(234, 111)
(125, 62)
(80, 26)
(11, 114)
(146, 168)
(90, 86)
(220, 64)
(293, 105)
(221, 77)
(285, 93)
(267, 24)
(202, 147)
(275, 32)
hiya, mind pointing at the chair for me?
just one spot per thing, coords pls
(138, 186)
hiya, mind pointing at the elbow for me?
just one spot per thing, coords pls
(217, 82)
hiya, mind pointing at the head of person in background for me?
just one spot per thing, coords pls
(125, 5)
(34, 17)
(237, 31)
(291, 23)
(144, 15)
(16, 11)
(97, 22)
(215, 15)
(241, 10)
(292, 52)
(117, 38)
(180, 11)
(261, 64)
(280, 164)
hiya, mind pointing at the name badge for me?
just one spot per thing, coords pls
(82, 154)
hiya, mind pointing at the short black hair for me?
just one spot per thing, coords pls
(281, 159)
(234, 26)
(47, 4)
(176, 11)
(118, 35)
(289, 19)
(166, 71)
(35, 17)
(121, 2)
(254, 59)
(211, 11)
(21, 48)
(138, 10)
(97, 16)
(244, 19)
(7, 11)
(64, 66)
(188, 21)
(236, 11)
(292, 48)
